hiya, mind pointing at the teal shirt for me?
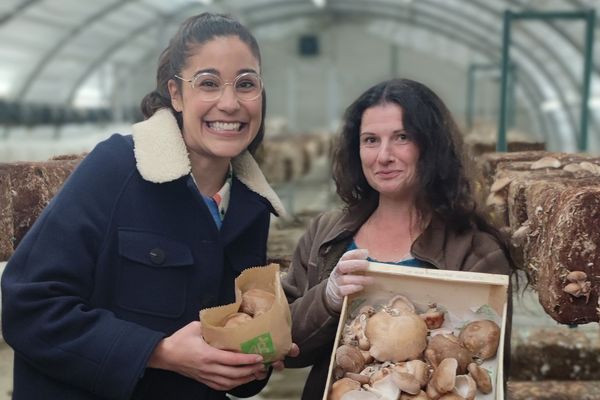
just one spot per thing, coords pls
(407, 262)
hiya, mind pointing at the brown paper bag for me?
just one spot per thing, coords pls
(268, 334)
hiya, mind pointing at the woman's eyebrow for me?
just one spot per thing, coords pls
(216, 72)
(207, 70)
(246, 70)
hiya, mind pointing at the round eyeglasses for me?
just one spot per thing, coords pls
(209, 87)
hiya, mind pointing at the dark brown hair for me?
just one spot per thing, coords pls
(193, 32)
(443, 184)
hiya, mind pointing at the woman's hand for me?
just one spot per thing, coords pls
(346, 278)
(279, 365)
(186, 353)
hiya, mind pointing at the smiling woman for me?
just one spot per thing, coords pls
(218, 123)
(399, 168)
(101, 297)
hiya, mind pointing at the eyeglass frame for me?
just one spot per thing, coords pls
(225, 83)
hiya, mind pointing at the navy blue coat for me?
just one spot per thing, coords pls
(114, 264)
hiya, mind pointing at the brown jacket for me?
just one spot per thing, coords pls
(314, 325)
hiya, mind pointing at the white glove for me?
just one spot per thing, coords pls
(346, 278)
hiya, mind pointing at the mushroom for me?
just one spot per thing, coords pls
(495, 199)
(354, 332)
(572, 167)
(339, 388)
(481, 377)
(451, 396)
(406, 382)
(380, 373)
(442, 380)
(448, 346)
(465, 387)
(481, 338)
(400, 305)
(497, 196)
(360, 395)
(579, 285)
(546, 162)
(386, 388)
(349, 358)
(575, 276)
(236, 319)
(433, 317)
(256, 301)
(396, 338)
(416, 368)
(419, 396)
(500, 184)
(362, 379)
(370, 370)
(590, 167)
(367, 356)
(577, 289)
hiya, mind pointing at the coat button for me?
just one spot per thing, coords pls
(157, 256)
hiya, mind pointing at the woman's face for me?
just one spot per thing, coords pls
(388, 153)
(222, 128)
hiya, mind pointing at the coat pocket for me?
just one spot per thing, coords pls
(154, 273)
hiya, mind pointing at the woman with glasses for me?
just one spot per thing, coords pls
(399, 168)
(101, 298)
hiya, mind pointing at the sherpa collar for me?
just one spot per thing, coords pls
(161, 156)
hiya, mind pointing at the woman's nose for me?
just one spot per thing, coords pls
(228, 102)
(385, 154)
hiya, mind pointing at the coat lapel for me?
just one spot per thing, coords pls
(244, 208)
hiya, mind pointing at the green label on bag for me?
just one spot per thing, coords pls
(262, 344)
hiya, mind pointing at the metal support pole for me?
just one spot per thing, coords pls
(590, 18)
(512, 98)
(470, 97)
(501, 142)
(587, 73)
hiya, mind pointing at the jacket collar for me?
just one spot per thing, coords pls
(349, 223)
(161, 156)
(430, 246)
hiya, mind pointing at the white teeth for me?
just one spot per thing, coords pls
(225, 126)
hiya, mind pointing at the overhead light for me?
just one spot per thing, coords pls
(594, 103)
(555, 105)
(550, 105)
(319, 3)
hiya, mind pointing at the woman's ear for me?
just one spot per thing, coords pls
(175, 94)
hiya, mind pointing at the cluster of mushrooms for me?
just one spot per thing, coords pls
(254, 303)
(578, 285)
(392, 352)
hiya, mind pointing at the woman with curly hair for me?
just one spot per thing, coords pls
(399, 169)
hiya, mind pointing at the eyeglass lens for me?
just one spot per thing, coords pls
(247, 86)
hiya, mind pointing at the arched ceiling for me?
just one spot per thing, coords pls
(49, 48)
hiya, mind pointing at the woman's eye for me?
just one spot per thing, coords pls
(403, 138)
(246, 84)
(208, 84)
(369, 140)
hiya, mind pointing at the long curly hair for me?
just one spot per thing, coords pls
(443, 186)
(195, 31)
